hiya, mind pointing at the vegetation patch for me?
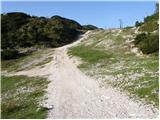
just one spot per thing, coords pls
(88, 54)
(21, 96)
(148, 43)
(27, 61)
(148, 40)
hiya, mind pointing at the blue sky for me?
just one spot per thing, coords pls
(101, 14)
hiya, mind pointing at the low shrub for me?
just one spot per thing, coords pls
(149, 26)
(147, 43)
(7, 54)
(137, 24)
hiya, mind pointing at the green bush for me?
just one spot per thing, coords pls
(147, 43)
(137, 24)
(140, 37)
(9, 54)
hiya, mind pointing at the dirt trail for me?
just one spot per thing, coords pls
(72, 94)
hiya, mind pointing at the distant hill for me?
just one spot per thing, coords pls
(20, 30)
(89, 27)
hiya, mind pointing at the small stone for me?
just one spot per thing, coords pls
(49, 107)
(132, 114)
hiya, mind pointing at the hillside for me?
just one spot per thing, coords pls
(148, 38)
(56, 68)
(20, 30)
(111, 57)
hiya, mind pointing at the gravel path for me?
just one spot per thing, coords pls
(72, 94)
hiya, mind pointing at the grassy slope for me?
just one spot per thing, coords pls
(105, 54)
(21, 96)
(37, 58)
